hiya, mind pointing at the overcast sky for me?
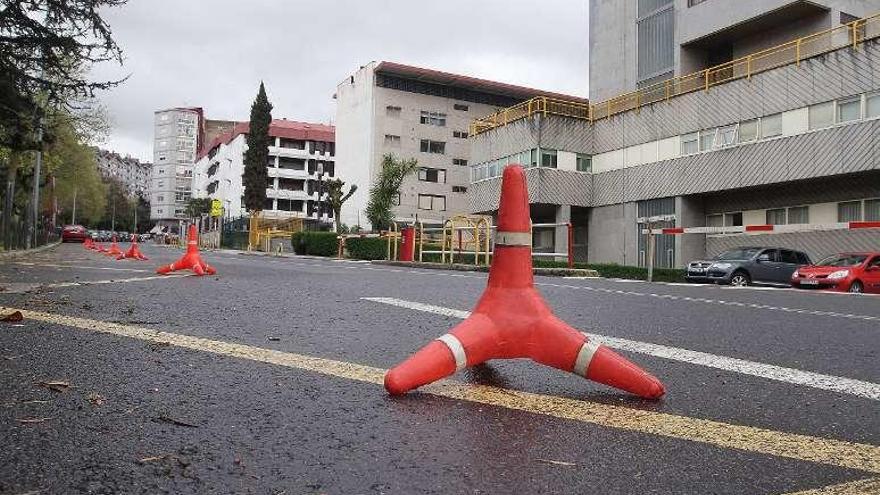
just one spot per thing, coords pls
(213, 53)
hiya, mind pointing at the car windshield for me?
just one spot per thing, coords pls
(843, 260)
(738, 254)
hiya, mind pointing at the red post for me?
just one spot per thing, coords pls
(407, 251)
(570, 245)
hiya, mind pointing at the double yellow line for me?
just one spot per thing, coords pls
(848, 455)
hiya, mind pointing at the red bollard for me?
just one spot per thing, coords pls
(408, 250)
(512, 320)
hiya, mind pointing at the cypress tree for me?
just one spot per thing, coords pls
(256, 158)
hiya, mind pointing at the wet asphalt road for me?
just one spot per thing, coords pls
(140, 417)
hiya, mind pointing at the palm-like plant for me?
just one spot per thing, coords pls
(386, 188)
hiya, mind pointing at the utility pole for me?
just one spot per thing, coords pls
(113, 216)
(73, 215)
(38, 163)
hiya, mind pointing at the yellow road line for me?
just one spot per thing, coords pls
(830, 452)
(861, 487)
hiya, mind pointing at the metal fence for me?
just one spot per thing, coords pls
(793, 52)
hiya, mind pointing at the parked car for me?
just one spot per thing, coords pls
(845, 272)
(74, 233)
(748, 265)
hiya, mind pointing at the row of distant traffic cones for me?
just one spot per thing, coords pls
(190, 261)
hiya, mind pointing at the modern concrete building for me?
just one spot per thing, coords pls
(177, 138)
(785, 136)
(133, 173)
(411, 112)
(301, 155)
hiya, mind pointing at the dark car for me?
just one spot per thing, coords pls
(748, 265)
(845, 272)
(74, 233)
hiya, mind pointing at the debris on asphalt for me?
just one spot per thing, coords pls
(178, 422)
(13, 317)
(556, 463)
(55, 386)
(96, 399)
(153, 458)
(272, 338)
(28, 421)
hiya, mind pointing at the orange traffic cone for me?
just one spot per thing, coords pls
(100, 248)
(133, 253)
(191, 260)
(511, 319)
(114, 248)
(88, 243)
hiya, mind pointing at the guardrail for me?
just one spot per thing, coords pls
(792, 52)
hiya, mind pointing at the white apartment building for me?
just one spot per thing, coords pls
(176, 141)
(410, 112)
(301, 156)
(133, 173)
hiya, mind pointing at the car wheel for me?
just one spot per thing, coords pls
(856, 287)
(740, 279)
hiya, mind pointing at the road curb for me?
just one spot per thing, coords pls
(5, 255)
(549, 272)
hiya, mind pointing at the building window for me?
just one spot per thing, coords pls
(428, 146)
(159, 211)
(432, 118)
(821, 115)
(437, 175)
(432, 202)
(690, 143)
(160, 198)
(771, 126)
(691, 3)
(849, 211)
(707, 139)
(775, 216)
(725, 136)
(459, 106)
(548, 158)
(799, 214)
(872, 105)
(583, 163)
(849, 109)
(459, 189)
(714, 220)
(748, 131)
(391, 140)
(733, 219)
(460, 134)
(872, 210)
(459, 161)
(392, 111)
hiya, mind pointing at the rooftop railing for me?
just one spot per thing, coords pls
(851, 34)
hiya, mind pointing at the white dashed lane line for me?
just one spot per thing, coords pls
(793, 376)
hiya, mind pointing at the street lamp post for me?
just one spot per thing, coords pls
(320, 192)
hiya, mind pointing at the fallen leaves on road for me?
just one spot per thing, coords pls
(556, 463)
(55, 386)
(28, 421)
(168, 419)
(13, 317)
(153, 458)
(95, 398)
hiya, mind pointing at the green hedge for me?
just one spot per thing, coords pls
(367, 248)
(610, 270)
(315, 243)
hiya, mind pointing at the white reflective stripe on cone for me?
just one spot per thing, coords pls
(457, 349)
(513, 239)
(582, 363)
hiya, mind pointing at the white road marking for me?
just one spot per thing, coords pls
(793, 376)
(55, 265)
(116, 281)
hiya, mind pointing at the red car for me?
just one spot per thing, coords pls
(74, 233)
(844, 272)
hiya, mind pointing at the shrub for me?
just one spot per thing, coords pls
(611, 270)
(315, 243)
(367, 248)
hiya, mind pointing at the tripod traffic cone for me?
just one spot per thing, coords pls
(87, 244)
(511, 319)
(114, 248)
(133, 253)
(100, 248)
(191, 260)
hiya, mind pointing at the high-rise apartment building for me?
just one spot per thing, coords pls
(411, 112)
(177, 139)
(301, 158)
(753, 122)
(131, 172)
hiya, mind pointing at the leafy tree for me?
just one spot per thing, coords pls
(119, 212)
(144, 224)
(197, 207)
(256, 176)
(386, 189)
(336, 198)
(46, 50)
(74, 166)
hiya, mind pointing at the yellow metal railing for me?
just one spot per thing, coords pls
(792, 52)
